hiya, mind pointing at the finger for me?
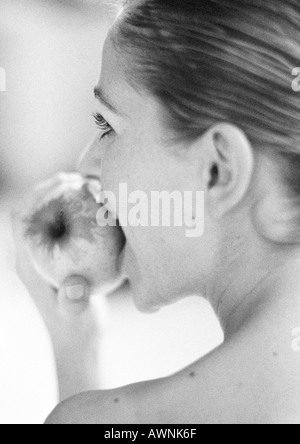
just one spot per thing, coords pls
(74, 297)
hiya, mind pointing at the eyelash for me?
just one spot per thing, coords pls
(102, 124)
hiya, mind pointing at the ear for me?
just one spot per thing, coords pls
(229, 167)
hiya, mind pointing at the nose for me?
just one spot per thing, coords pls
(90, 161)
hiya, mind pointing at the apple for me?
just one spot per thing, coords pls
(63, 238)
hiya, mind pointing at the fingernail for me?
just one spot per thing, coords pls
(75, 292)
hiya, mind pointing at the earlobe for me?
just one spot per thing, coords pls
(277, 221)
(231, 168)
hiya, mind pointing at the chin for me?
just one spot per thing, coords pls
(151, 299)
(146, 306)
(148, 294)
(144, 298)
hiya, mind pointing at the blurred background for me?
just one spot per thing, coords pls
(51, 52)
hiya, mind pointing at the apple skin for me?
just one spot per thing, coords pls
(63, 238)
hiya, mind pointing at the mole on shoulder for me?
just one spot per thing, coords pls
(192, 374)
(116, 400)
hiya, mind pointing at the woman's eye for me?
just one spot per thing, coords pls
(103, 125)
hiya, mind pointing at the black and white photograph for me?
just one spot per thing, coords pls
(149, 215)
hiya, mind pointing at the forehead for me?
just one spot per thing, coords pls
(140, 108)
(113, 83)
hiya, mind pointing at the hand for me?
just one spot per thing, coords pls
(55, 305)
(67, 312)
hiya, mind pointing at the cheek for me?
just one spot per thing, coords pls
(141, 170)
(123, 164)
(116, 165)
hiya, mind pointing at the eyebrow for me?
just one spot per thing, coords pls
(100, 95)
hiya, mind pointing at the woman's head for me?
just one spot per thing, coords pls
(205, 89)
(220, 60)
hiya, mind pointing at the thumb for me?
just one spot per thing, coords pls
(74, 296)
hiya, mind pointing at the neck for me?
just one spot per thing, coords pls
(253, 286)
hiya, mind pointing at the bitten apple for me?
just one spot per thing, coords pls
(63, 238)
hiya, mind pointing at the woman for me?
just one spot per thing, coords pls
(197, 95)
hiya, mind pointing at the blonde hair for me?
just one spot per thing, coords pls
(219, 60)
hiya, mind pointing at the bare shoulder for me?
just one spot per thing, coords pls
(79, 409)
(97, 407)
(251, 379)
